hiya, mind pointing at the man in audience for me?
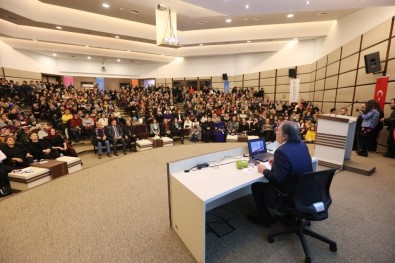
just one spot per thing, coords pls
(290, 160)
(115, 134)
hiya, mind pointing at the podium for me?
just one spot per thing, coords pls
(335, 138)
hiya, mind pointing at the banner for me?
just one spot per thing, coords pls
(226, 86)
(294, 90)
(100, 84)
(381, 91)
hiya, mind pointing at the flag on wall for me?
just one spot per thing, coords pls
(294, 90)
(381, 91)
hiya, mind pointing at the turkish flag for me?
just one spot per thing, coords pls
(381, 91)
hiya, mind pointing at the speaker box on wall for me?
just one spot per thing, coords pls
(292, 73)
(224, 76)
(372, 63)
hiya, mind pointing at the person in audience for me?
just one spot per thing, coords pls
(290, 160)
(59, 144)
(87, 125)
(177, 130)
(4, 170)
(187, 125)
(66, 116)
(130, 135)
(233, 126)
(390, 123)
(43, 131)
(75, 127)
(165, 129)
(372, 143)
(267, 130)
(115, 135)
(103, 120)
(41, 149)
(154, 128)
(311, 134)
(370, 118)
(98, 138)
(244, 127)
(207, 130)
(219, 130)
(196, 131)
(4, 121)
(17, 154)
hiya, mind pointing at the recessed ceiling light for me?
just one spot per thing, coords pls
(105, 5)
(295, 38)
(257, 18)
(162, 54)
(86, 45)
(202, 22)
(88, 57)
(134, 11)
(54, 54)
(290, 15)
(201, 44)
(245, 19)
(116, 36)
(59, 27)
(118, 60)
(34, 39)
(247, 6)
(322, 14)
(228, 20)
(248, 41)
(307, 2)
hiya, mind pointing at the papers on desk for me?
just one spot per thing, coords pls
(24, 170)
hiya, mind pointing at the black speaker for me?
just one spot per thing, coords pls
(292, 73)
(224, 76)
(372, 63)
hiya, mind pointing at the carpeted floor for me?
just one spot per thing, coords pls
(116, 210)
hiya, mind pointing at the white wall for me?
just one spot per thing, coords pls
(23, 60)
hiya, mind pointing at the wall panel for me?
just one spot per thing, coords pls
(349, 63)
(377, 34)
(347, 79)
(332, 69)
(345, 94)
(268, 74)
(334, 56)
(351, 47)
(331, 83)
(269, 81)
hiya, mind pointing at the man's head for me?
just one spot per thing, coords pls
(114, 123)
(392, 105)
(10, 141)
(288, 131)
(343, 111)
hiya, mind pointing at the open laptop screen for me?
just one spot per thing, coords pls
(256, 146)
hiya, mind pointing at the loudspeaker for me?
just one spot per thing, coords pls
(292, 73)
(224, 76)
(372, 63)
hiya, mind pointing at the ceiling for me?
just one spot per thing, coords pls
(126, 30)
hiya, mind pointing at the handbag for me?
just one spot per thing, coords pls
(5, 190)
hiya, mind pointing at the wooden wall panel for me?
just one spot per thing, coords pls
(347, 79)
(345, 94)
(349, 63)
(322, 62)
(269, 81)
(334, 56)
(268, 74)
(332, 69)
(376, 34)
(331, 82)
(351, 47)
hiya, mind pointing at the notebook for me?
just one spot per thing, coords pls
(257, 150)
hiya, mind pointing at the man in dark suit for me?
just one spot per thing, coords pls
(115, 134)
(290, 160)
(390, 122)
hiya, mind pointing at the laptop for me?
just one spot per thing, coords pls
(257, 150)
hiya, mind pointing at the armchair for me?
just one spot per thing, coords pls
(311, 201)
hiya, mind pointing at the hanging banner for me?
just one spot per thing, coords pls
(100, 84)
(294, 90)
(226, 86)
(381, 91)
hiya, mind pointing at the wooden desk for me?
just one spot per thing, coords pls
(57, 168)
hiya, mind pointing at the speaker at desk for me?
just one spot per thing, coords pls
(372, 63)
(292, 73)
(224, 76)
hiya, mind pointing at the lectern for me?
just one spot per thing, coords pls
(335, 138)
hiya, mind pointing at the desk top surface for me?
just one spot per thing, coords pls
(219, 179)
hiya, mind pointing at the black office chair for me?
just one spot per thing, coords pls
(311, 201)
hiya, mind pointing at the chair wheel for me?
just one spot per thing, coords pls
(270, 239)
(333, 248)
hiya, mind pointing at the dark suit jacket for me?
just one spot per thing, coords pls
(289, 162)
(111, 132)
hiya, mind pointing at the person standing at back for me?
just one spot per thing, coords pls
(290, 160)
(370, 119)
(390, 123)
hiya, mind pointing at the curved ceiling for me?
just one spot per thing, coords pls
(89, 29)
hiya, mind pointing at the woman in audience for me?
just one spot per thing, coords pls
(59, 144)
(17, 154)
(244, 128)
(75, 127)
(42, 132)
(219, 130)
(87, 125)
(154, 128)
(41, 149)
(102, 119)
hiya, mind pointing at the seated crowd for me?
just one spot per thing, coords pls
(208, 115)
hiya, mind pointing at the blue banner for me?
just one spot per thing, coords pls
(100, 84)
(226, 86)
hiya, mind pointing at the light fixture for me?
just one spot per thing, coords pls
(105, 5)
(228, 20)
(247, 6)
(290, 15)
(54, 54)
(248, 41)
(118, 60)
(307, 2)
(88, 57)
(171, 39)
(117, 37)
(59, 27)
(201, 44)
(86, 45)
(34, 39)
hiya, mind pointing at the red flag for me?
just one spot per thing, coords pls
(381, 91)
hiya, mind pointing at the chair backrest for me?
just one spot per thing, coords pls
(312, 197)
